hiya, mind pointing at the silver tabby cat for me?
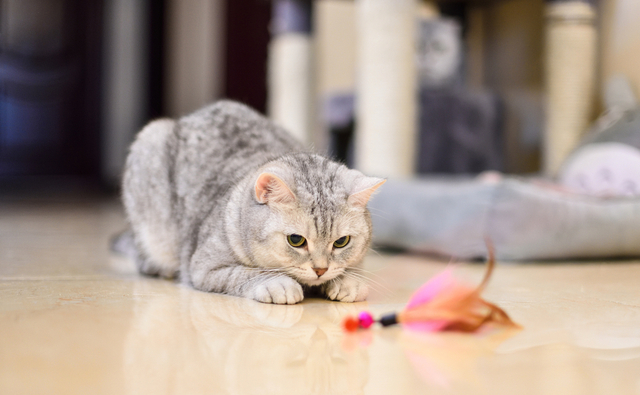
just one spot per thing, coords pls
(230, 203)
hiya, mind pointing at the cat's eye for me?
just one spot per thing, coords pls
(341, 242)
(296, 240)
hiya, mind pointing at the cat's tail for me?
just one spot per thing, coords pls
(122, 243)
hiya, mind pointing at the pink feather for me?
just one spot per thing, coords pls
(445, 303)
(432, 288)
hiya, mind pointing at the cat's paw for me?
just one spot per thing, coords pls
(346, 289)
(279, 290)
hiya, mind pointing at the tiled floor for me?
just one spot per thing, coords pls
(76, 320)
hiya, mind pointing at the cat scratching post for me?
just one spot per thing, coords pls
(570, 65)
(290, 71)
(386, 87)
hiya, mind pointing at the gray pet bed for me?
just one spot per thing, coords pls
(525, 220)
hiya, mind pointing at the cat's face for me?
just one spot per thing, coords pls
(316, 228)
(439, 51)
(307, 245)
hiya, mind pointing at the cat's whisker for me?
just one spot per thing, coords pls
(360, 280)
(378, 216)
(364, 270)
(363, 277)
(266, 269)
(258, 278)
(371, 281)
(271, 270)
(370, 272)
(246, 282)
(367, 283)
(377, 209)
(289, 271)
(261, 275)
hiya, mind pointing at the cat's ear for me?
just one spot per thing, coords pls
(362, 190)
(270, 188)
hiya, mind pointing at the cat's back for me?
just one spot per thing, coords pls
(218, 145)
(227, 130)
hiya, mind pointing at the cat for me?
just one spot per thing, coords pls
(230, 203)
(439, 54)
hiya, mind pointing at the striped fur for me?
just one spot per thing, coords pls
(189, 190)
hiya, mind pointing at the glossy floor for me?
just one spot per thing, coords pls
(76, 320)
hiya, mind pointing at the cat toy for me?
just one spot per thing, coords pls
(442, 304)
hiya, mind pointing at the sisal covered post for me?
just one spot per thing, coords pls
(386, 87)
(570, 66)
(290, 68)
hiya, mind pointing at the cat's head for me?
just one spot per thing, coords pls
(439, 52)
(310, 218)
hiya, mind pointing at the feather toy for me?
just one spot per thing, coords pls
(442, 304)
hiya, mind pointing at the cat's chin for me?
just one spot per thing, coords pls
(314, 283)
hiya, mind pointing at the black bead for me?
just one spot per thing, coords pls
(389, 319)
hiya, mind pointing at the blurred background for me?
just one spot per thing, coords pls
(393, 87)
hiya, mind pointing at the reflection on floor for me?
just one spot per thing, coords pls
(75, 320)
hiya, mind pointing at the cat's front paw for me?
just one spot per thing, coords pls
(346, 289)
(279, 290)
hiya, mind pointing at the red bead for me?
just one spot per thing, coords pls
(366, 320)
(350, 324)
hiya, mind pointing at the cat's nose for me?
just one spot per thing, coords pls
(320, 272)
